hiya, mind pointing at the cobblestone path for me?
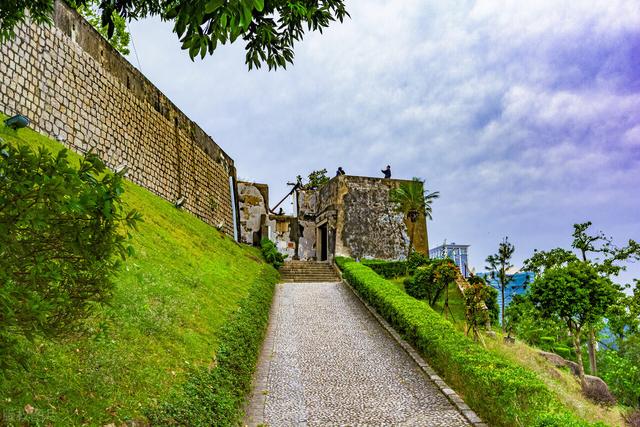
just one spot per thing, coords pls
(327, 361)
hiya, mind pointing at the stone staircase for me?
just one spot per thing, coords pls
(308, 271)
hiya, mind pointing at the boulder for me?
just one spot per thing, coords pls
(597, 390)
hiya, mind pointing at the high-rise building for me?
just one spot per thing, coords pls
(458, 253)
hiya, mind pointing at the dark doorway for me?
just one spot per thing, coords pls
(323, 241)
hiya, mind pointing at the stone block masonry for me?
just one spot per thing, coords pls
(76, 88)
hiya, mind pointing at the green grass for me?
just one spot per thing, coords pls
(171, 300)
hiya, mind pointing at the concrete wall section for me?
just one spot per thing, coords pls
(75, 87)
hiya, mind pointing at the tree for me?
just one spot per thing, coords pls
(120, 38)
(412, 201)
(542, 260)
(316, 179)
(476, 310)
(269, 28)
(498, 266)
(578, 295)
(61, 229)
(610, 265)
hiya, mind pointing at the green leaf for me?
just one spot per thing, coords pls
(259, 4)
(213, 5)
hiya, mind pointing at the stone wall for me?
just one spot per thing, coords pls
(362, 222)
(76, 88)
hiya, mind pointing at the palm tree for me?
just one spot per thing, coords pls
(413, 201)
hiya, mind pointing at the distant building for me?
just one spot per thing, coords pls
(517, 286)
(458, 253)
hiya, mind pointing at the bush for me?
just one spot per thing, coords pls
(622, 376)
(61, 229)
(431, 279)
(271, 254)
(387, 269)
(213, 396)
(503, 393)
(415, 260)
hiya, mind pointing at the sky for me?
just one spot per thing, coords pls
(525, 116)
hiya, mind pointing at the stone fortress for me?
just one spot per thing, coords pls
(348, 216)
(75, 87)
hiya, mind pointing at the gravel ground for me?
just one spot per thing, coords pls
(327, 361)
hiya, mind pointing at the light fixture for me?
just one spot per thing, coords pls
(180, 201)
(17, 122)
(122, 169)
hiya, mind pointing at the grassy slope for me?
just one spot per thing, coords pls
(561, 382)
(170, 300)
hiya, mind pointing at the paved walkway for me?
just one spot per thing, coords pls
(327, 361)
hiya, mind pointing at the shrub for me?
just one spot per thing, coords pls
(415, 260)
(622, 376)
(387, 269)
(61, 228)
(271, 254)
(503, 393)
(431, 279)
(213, 396)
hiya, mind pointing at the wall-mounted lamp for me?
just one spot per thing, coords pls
(180, 201)
(17, 122)
(122, 169)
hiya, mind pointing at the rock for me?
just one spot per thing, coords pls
(560, 362)
(597, 390)
(509, 340)
(491, 334)
(555, 359)
(573, 366)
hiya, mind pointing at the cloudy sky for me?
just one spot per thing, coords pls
(524, 115)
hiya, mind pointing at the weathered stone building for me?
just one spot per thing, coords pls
(349, 216)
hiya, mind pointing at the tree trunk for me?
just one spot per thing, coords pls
(411, 236)
(592, 352)
(504, 326)
(578, 348)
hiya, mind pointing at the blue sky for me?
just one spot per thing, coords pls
(524, 115)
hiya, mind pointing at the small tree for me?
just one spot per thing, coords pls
(90, 10)
(412, 201)
(498, 266)
(578, 295)
(610, 265)
(61, 228)
(476, 311)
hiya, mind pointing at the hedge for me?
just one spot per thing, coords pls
(387, 269)
(501, 392)
(215, 396)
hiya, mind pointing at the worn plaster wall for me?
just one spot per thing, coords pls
(75, 87)
(253, 202)
(363, 220)
(307, 205)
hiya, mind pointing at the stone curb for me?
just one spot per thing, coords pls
(453, 397)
